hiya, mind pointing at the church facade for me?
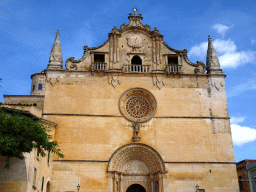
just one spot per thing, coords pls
(134, 114)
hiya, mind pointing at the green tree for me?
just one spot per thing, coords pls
(20, 133)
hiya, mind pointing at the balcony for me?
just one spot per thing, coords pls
(136, 68)
(99, 66)
(173, 69)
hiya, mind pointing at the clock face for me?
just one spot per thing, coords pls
(135, 41)
(137, 104)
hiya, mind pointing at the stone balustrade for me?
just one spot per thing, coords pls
(98, 66)
(136, 68)
(173, 68)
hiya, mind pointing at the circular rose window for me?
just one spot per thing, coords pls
(137, 104)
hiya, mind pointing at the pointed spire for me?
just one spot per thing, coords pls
(55, 60)
(212, 62)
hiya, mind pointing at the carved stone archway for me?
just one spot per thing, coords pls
(136, 163)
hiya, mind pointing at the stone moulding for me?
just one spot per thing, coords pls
(114, 81)
(157, 81)
(197, 64)
(71, 64)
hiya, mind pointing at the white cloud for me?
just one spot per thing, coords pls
(235, 120)
(221, 29)
(227, 53)
(242, 135)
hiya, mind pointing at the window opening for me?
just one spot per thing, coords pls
(33, 89)
(42, 188)
(34, 104)
(136, 60)
(172, 60)
(99, 58)
(39, 86)
(48, 158)
(35, 173)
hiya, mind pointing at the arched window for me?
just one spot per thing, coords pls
(136, 60)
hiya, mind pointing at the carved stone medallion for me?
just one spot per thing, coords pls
(135, 41)
(137, 105)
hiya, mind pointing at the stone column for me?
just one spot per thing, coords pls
(110, 182)
(110, 52)
(114, 48)
(160, 51)
(117, 49)
(121, 183)
(114, 185)
(160, 182)
(151, 183)
(154, 51)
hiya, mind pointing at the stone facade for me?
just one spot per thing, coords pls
(136, 112)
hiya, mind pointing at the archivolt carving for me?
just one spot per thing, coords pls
(130, 156)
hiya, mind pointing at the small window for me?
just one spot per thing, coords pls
(39, 86)
(34, 104)
(35, 173)
(42, 188)
(172, 60)
(33, 88)
(48, 158)
(99, 58)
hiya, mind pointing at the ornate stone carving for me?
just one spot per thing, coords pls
(158, 82)
(135, 41)
(135, 167)
(136, 131)
(53, 80)
(139, 152)
(114, 81)
(218, 84)
(135, 21)
(137, 105)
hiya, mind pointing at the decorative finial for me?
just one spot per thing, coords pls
(135, 11)
(212, 62)
(55, 60)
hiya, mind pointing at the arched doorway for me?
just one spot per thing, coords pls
(136, 163)
(136, 188)
(48, 187)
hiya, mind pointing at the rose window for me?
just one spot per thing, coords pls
(137, 104)
(137, 107)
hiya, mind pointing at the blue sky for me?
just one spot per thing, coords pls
(28, 29)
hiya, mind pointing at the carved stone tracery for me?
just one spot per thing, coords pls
(137, 105)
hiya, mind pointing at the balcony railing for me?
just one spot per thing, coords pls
(98, 66)
(136, 68)
(173, 68)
